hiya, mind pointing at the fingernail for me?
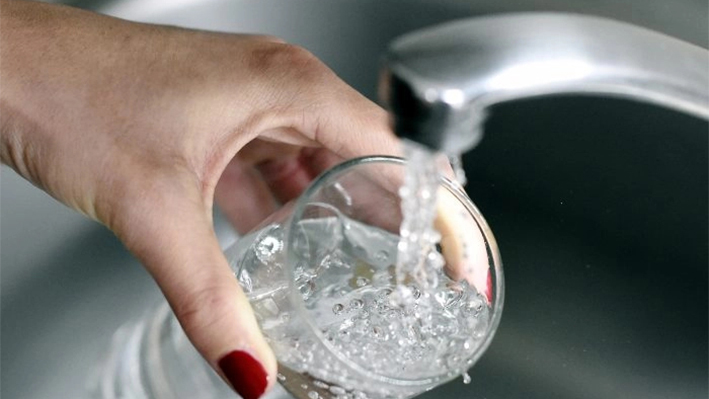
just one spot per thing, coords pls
(246, 374)
(488, 294)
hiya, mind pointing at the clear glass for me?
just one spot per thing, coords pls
(320, 277)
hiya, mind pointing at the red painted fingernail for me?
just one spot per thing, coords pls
(488, 294)
(246, 374)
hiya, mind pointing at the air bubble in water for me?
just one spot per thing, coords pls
(449, 298)
(357, 304)
(307, 288)
(473, 306)
(267, 248)
(334, 260)
(453, 361)
(281, 377)
(313, 395)
(382, 256)
(361, 281)
(378, 332)
(347, 323)
(337, 390)
(320, 384)
(466, 378)
(375, 329)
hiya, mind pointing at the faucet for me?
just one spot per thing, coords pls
(438, 83)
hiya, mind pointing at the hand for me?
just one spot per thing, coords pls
(143, 127)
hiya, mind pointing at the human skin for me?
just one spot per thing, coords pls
(143, 127)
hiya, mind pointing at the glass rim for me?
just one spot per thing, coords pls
(490, 243)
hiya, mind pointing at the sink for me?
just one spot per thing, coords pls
(599, 206)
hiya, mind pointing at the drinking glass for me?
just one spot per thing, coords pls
(321, 277)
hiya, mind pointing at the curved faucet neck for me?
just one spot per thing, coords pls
(438, 82)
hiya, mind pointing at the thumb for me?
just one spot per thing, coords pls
(178, 246)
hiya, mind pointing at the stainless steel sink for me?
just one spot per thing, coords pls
(600, 208)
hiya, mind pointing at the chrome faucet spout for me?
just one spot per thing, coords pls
(439, 82)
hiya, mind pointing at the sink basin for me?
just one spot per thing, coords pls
(599, 206)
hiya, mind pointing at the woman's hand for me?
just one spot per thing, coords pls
(142, 127)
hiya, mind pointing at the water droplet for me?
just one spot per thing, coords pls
(435, 260)
(338, 308)
(304, 386)
(313, 395)
(425, 194)
(457, 164)
(361, 281)
(466, 378)
(281, 377)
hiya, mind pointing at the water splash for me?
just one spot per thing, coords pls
(457, 164)
(418, 258)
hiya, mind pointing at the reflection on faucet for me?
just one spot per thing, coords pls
(439, 82)
(534, 74)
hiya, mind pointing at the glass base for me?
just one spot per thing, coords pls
(152, 359)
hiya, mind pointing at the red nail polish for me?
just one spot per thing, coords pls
(246, 374)
(488, 294)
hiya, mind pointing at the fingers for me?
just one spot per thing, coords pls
(357, 127)
(243, 196)
(260, 178)
(315, 103)
(177, 244)
(318, 160)
(279, 166)
(286, 177)
(463, 244)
